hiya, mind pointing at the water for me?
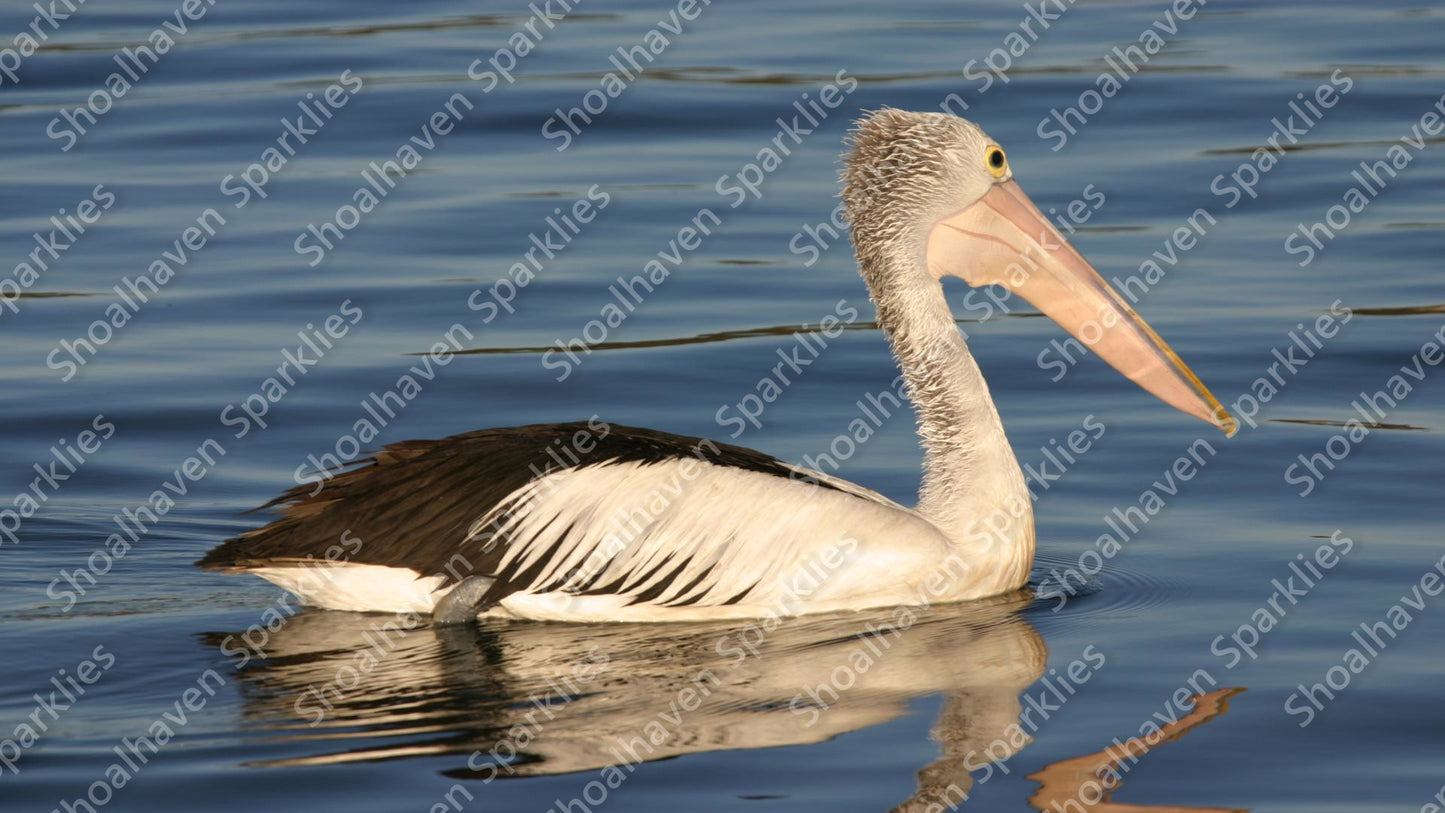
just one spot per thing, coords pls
(923, 723)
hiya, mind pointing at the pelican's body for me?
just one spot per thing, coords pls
(599, 522)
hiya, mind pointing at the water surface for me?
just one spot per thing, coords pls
(965, 699)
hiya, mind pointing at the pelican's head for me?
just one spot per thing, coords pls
(936, 190)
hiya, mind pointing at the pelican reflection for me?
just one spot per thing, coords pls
(516, 699)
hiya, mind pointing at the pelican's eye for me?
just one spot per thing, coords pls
(995, 159)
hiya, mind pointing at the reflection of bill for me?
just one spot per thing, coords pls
(615, 697)
(1086, 783)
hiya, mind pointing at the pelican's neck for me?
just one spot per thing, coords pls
(972, 489)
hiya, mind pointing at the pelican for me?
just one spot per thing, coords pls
(598, 522)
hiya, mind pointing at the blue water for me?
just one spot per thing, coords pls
(943, 698)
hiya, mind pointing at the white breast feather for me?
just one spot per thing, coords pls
(732, 531)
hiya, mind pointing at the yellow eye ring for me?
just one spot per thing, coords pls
(995, 160)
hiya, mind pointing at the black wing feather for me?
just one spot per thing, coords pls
(413, 504)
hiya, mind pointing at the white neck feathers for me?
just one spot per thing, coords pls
(972, 489)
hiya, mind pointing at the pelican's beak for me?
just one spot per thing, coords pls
(1004, 239)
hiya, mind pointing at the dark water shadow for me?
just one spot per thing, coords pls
(1398, 427)
(707, 338)
(1409, 310)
